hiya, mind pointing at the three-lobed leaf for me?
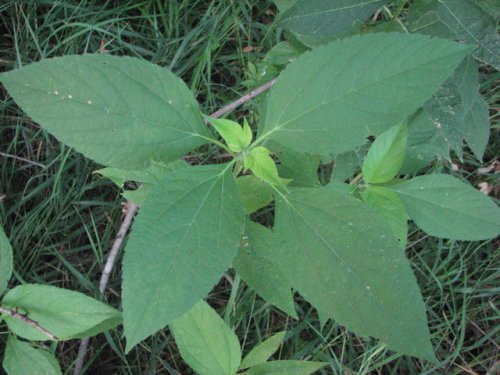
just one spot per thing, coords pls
(263, 351)
(259, 265)
(331, 98)
(343, 258)
(21, 358)
(120, 111)
(446, 207)
(386, 155)
(185, 236)
(5, 261)
(205, 342)
(64, 313)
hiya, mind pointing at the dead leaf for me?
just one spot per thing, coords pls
(485, 188)
(493, 167)
(248, 49)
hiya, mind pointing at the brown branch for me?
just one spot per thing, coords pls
(27, 320)
(132, 208)
(22, 159)
(245, 98)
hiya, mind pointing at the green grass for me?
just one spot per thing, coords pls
(61, 218)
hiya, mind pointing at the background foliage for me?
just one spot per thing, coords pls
(61, 218)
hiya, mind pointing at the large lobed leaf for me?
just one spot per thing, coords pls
(64, 313)
(120, 111)
(206, 343)
(342, 257)
(186, 235)
(331, 98)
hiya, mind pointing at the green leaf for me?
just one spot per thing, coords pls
(236, 137)
(263, 351)
(120, 111)
(148, 178)
(22, 359)
(424, 143)
(5, 261)
(462, 20)
(259, 265)
(206, 343)
(284, 5)
(286, 367)
(477, 130)
(326, 17)
(255, 193)
(64, 313)
(151, 175)
(185, 236)
(389, 206)
(444, 206)
(341, 187)
(454, 113)
(345, 165)
(302, 169)
(342, 258)
(260, 162)
(386, 155)
(331, 98)
(283, 53)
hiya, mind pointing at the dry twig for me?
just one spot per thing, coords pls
(26, 319)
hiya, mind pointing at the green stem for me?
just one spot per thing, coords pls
(232, 297)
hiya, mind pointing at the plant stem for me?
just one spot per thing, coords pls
(131, 210)
(22, 159)
(245, 98)
(29, 321)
